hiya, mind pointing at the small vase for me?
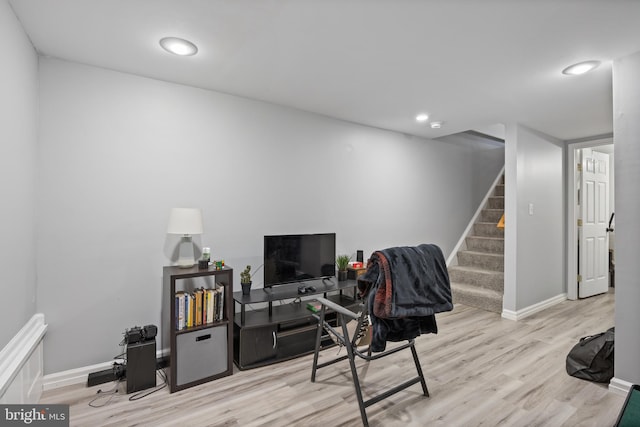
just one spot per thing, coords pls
(342, 275)
(246, 288)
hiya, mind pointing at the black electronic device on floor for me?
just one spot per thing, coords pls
(141, 365)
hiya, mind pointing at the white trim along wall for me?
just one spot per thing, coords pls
(532, 309)
(21, 364)
(81, 375)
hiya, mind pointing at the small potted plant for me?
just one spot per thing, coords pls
(342, 262)
(245, 280)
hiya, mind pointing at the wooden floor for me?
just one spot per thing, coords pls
(481, 370)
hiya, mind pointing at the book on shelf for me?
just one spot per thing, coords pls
(210, 301)
(206, 300)
(179, 303)
(198, 313)
(185, 303)
(220, 305)
(190, 308)
(214, 305)
(216, 298)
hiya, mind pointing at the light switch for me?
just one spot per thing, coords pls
(530, 208)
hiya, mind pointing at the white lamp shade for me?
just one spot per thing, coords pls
(185, 221)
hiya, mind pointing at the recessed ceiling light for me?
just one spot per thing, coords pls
(178, 46)
(422, 117)
(435, 125)
(580, 68)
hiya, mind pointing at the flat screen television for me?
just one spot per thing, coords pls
(298, 257)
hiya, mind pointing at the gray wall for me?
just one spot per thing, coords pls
(18, 139)
(534, 244)
(626, 126)
(118, 151)
(485, 159)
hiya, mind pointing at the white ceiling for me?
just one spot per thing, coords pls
(470, 63)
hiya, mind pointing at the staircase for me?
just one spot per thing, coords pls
(478, 278)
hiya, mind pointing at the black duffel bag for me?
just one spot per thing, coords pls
(592, 358)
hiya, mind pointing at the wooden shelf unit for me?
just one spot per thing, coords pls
(200, 353)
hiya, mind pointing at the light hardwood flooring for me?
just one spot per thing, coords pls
(481, 370)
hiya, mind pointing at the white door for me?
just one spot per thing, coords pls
(593, 244)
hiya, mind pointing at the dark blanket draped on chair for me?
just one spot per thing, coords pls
(406, 287)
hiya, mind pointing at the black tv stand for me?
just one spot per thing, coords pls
(286, 330)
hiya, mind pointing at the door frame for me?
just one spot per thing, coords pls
(572, 212)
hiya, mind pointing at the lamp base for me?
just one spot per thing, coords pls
(185, 253)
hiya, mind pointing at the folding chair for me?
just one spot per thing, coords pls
(351, 344)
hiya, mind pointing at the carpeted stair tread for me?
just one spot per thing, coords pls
(495, 202)
(491, 215)
(475, 269)
(483, 254)
(487, 229)
(494, 245)
(473, 296)
(479, 277)
(484, 260)
(496, 238)
(474, 289)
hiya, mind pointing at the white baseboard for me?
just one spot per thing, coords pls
(21, 364)
(80, 375)
(73, 376)
(619, 386)
(532, 309)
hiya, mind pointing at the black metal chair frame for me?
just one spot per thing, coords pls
(350, 343)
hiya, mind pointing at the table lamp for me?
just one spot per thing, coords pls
(185, 221)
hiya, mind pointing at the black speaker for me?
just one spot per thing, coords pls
(149, 332)
(359, 256)
(141, 365)
(133, 335)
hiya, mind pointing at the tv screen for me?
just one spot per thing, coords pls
(298, 257)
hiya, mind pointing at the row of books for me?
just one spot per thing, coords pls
(200, 307)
